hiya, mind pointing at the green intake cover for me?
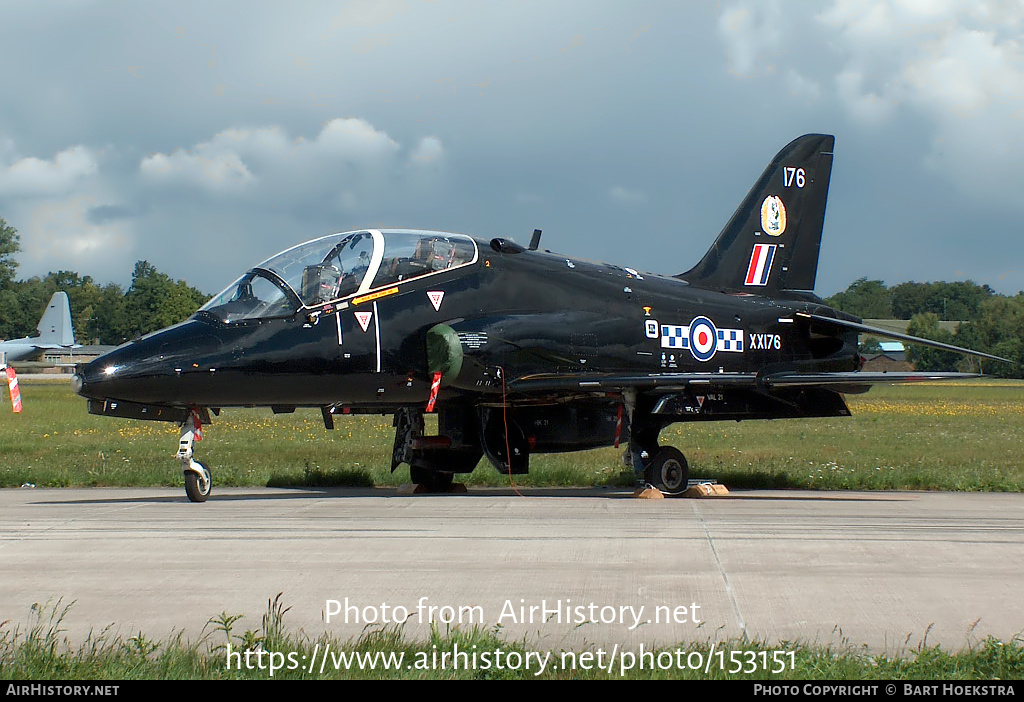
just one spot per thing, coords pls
(444, 351)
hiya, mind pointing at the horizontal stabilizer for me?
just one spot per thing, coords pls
(896, 335)
(779, 380)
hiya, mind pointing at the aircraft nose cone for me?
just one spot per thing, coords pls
(88, 381)
(103, 378)
(149, 370)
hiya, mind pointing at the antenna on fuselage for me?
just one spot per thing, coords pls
(535, 241)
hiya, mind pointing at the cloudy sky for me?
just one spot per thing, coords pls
(205, 137)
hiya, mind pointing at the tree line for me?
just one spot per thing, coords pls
(104, 314)
(989, 322)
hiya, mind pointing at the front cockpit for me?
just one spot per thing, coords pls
(336, 267)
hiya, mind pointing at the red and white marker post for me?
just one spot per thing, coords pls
(12, 385)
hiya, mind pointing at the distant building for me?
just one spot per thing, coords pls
(894, 350)
(64, 360)
(892, 358)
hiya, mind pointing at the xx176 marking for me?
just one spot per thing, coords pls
(765, 341)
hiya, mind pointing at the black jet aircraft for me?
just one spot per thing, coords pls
(517, 350)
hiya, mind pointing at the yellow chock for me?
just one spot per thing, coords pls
(706, 490)
(648, 494)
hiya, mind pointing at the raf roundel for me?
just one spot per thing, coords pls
(703, 338)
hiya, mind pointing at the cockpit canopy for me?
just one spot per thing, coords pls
(338, 266)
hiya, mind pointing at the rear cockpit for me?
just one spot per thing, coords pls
(338, 266)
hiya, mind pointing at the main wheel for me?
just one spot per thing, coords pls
(197, 486)
(668, 471)
(433, 480)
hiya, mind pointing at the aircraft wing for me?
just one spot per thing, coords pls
(668, 382)
(597, 382)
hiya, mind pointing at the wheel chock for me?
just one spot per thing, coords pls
(648, 493)
(706, 490)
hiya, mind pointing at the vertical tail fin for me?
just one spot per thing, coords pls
(771, 243)
(55, 324)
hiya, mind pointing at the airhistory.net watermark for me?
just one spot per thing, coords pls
(511, 612)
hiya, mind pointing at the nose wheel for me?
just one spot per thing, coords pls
(197, 482)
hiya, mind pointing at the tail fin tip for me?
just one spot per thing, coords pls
(771, 242)
(55, 324)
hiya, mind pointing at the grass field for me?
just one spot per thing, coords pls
(962, 436)
(40, 652)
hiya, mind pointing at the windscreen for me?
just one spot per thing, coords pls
(310, 273)
(252, 296)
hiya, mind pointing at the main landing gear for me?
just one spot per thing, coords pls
(668, 471)
(197, 476)
(662, 467)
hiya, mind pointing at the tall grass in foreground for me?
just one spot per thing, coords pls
(41, 652)
(963, 436)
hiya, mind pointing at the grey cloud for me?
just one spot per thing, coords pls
(498, 118)
(104, 214)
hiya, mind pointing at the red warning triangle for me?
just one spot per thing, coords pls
(364, 319)
(435, 298)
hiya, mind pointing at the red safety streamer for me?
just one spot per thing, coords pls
(435, 385)
(197, 424)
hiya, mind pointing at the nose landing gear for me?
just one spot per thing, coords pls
(197, 476)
